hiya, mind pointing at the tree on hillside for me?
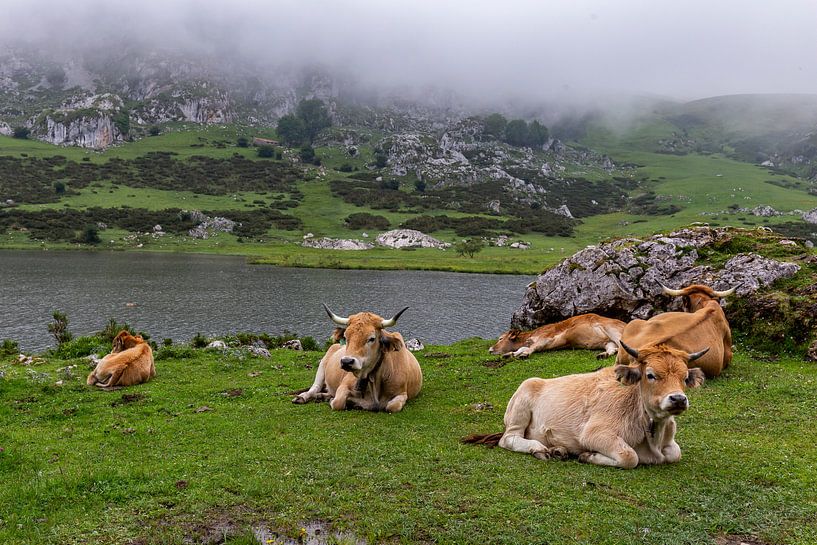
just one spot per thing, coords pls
(516, 133)
(314, 115)
(292, 130)
(494, 126)
(537, 134)
(21, 132)
(469, 247)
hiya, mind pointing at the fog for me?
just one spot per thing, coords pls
(577, 49)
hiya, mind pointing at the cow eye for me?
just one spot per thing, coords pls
(650, 375)
(371, 340)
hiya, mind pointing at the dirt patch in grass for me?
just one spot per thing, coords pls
(127, 399)
(494, 364)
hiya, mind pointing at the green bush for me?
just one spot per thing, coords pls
(81, 347)
(199, 341)
(310, 344)
(59, 328)
(364, 220)
(9, 348)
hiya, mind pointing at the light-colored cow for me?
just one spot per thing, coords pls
(130, 362)
(617, 416)
(586, 331)
(373, 370)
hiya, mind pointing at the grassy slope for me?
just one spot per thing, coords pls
(80, 468)
(696, 182)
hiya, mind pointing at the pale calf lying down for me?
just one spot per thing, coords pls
(618, 416)
(589, 331)
(130, 362)
(373, 371)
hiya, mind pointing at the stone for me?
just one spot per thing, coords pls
(810, 216)
(811, 353)
(259, 352)
(764, 211)
(217, 345)
(409, 238)
(563, 211)
(294, 344)
(414, 345)
(209, 226)
(326, 243)
(620, 279)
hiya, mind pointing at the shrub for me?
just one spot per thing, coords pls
(112, 329)
(292, 130)
(9, 347)
(265, 151)
(59, 328)
(20, 132)
(90, 235)
(469, 247)
(154, 130)
(199, 341)
(174, 353)
(81, 347)
(242, 142)
(59, 187)
(345, 167)
(380, 159)
(364, 220)
(310, 344)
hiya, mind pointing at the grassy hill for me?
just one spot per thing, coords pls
(193, 168)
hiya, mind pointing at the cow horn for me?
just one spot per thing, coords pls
(695, 355)
(630, 350)
(335, 318)
(389, 323)
(726, 293)
(670, 291)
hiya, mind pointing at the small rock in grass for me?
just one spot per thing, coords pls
(203, 409)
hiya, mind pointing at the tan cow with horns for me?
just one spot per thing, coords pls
(618, 416)
(584, 331)
(704, 323)
(373, 370)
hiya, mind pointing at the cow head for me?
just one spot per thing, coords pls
(697, 295)
(365, 340)
(509, 342)
(662, 374)
(125, 340)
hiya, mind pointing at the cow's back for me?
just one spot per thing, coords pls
(557, 410)
(689, 333)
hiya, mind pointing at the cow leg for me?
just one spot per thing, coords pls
(609, 450)
(609, 349)
(396, 404)
(316, 390)
(517, 418)
(523, 352)
(338, 402)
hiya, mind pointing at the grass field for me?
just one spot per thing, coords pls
(182, 460)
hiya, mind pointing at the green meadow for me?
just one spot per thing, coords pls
(212, 449)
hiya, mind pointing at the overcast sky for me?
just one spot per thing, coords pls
(680, 48)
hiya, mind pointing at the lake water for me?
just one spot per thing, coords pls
(179, 295)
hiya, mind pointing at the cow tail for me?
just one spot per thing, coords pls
(487, 439)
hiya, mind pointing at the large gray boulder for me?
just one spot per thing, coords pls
(620, 279)
(409, 238)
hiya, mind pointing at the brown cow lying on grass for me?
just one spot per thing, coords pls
(618, 416)
(704, 324)
(586, 331)
(373, 371)
(130, 362)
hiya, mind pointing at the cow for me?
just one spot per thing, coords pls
(130, 362)
(585, 331)
(618, 416)
(703, 323)
(372, 370)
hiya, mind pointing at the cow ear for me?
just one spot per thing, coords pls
(337, 334)
(390, 341)
(695, 377)
(627, 375)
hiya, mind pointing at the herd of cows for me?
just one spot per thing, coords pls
(619, 416)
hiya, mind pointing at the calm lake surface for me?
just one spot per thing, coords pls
(178, 295)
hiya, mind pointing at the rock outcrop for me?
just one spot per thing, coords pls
(621, 279)
(326, 243)
(810, 216)
(209, 226)
(409, 238)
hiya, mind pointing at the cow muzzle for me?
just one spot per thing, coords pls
(675, 403)
(348, 363)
